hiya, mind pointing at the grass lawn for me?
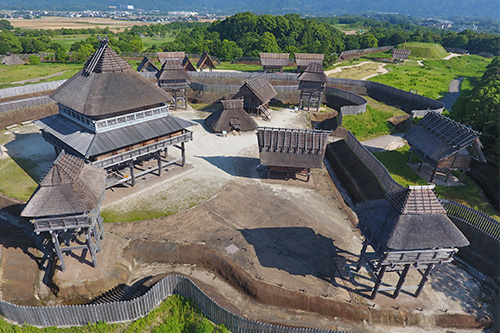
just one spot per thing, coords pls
(357, 72)
(432, 79)
(239, 67)
(67, 40)
(175, 314)
(470, 194)
(16, 182)
(157, 40)
(9, 74)
(424, 50)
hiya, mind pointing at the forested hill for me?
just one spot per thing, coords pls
(420, 8)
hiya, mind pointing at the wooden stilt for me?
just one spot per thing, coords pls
(96, 237)
(378, 282)
(411, 156)
(132, 175)
(433, 175)
(362, 255)
(183, 152)
(101, 229)
(424, 279)
(420, 165)
(57, 246)
(158, 158)
(462, 175)
(90, 246)
(401, 281)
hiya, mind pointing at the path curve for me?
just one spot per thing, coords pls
(380, 69)
(40, 78)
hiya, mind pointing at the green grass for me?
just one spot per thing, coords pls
(470, 194)
(67, 40)
(157, 40)
(175, 314)
(9, 74)
(432, 79)
(357, 72)
(16, 182)
(424, 50)
(239, 67)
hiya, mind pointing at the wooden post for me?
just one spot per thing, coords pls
(158, 158)
(99, 223)
(183, 152)
(57, 246)
(97, 241)
(401, 281)
(424, 279)
(378, 282)
(300, 101)
(132, 175)
(433, 175)
(411, 156)
(362, 255)
(90, 245)
(420, 166)
(175, 99)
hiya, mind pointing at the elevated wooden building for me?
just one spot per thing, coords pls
(67, 204)
(147, 65)
(257, 92)
(407, 229)
(400, 55)
(274, 61)
(230, 117)
(180, 56)
(304, 59)
(205, 61)
(444, 144)
(175, 80)
(114, 118)
(311, 85)
(291, 151)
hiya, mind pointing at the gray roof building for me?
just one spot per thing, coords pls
(230, 117)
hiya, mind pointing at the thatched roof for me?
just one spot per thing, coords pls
(296, 148)
(87, 144)
(230, 116)
(181, 56)
(11, 59)
(147, 65)
(400, 54)
(313, 73)
(205, 61)
(172, 70)
(304, 59)
(69, 187)
(438, 137)
(108, 86)
(274, 59)
(412, 219)
(259, 86)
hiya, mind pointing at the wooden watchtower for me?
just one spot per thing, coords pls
(400, 55)
(444, 144)
(407, 229)
(257, 92)
(291, 151)
(274, 61)
(67, 204)
(114, 118)
(173, 79)
(230, 117)
(205, 61)
(304, 59)
(311, 85)
(179, 56)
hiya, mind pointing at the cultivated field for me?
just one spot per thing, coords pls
(52, 23)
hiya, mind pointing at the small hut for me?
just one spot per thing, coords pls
(291, 151)
(67, 204)
(230, 117)
(205, 62)
(444, 144)
(311, 85)
(10, 59)
(147, 65)
(400, 55)
(114, 118)
(257, 93)
(304, 59)
(180, 56)
(173, 78)
(407, 229)
(274, 61)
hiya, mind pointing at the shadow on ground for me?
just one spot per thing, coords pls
(235, 165)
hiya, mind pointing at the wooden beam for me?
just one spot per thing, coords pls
(158, 158)
(401, 281)
(90, 245)
(131, 168)
(183, 151)
(57, 246)
(424, 279)
(380, 275)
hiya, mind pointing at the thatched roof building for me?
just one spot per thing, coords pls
(147, 65)
(69, 187)
(313, 75)
(400, 55)
(205, 62)
(257, 92)
(304, 59)
(174, 79)
(230, 117)
(444, 143)
(180, 56)
(408, 228)
(292, 148)
(10, 59)
(272, 61)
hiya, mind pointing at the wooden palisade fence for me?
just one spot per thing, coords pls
(117, 312)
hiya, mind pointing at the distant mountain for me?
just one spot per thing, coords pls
(416, 8)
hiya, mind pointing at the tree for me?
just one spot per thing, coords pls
(34, 60)
(84, 52)
(368, 40)
(9, 43)
(5, 25)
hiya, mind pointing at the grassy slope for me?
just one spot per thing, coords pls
(175, 314)
(10, 74)
(424, 50)
(432, 79)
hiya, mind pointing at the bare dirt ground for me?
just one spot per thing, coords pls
(380, 70)
(48, 22)
(291, 235)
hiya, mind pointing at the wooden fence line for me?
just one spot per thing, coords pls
(117, 312)
(25, 103)
(29, 89)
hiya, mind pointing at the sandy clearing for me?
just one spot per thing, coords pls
(452, 55)
(380, 70)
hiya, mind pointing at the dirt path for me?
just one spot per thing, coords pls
(452, 55)
(380, 70)
(39, 78)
